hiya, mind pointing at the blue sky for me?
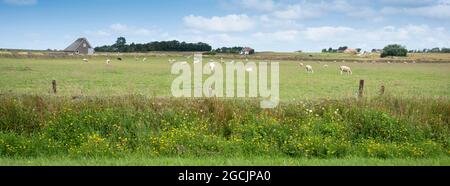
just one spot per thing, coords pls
(266, 25)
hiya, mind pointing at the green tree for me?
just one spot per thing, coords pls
(394, 50)
(121, 41)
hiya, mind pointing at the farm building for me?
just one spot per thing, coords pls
(80, 46)
(247, 51)
(350, 51)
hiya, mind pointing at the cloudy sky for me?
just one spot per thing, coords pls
(266, 25)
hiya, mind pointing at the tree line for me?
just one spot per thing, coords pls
(338, 50)
(432, 50)
(122, 46)
(229, 50)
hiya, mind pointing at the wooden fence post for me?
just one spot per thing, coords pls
(361, 88)
(54, 86)
(382, 90)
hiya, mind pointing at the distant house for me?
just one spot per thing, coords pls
(350, 51)
(247, 51)
(377, 50)
(80, 46)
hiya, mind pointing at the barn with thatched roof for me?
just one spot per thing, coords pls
(80, 46)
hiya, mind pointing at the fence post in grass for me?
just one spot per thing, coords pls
(54, 86)
(361, 88)
(382, 90)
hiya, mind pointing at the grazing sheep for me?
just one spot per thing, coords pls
(345, 69)
(85, 60)
(309, 69)
(108, 61)
(325, 66)
(301, 64)
(212, 66)
(143, 60)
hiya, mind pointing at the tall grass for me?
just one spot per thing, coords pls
(382, 127)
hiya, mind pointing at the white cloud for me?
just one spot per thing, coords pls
(118, 29)
(125, 29)
(441, 9)
(229, 23)
(285, 35)
(299, 12)
(413, 36)
(20, 2)
(216, 40)
(259, 5)
(327, 33)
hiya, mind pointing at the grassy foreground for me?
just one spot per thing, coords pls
(382, 130)
(218, 161)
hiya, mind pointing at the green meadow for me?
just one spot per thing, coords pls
(123, 114)
(153, 78)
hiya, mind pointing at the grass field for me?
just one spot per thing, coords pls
(153, 78)
(125, 116)
(218, 161)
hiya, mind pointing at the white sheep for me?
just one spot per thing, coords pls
(325, 66)
(143, 60)
(309, 69)
(85, 60)
(108, 61)
(346, 69)
(301, 64)
(212, 66)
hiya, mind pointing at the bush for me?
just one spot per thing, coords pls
(134, 125)
(394, 50)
